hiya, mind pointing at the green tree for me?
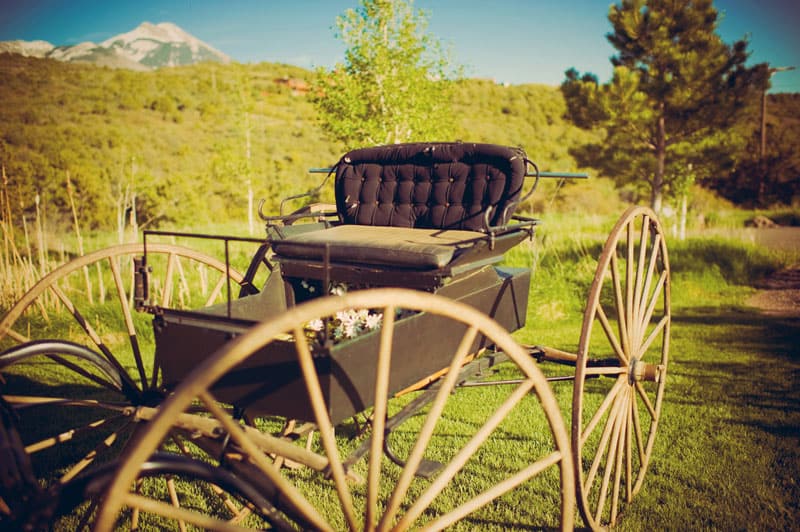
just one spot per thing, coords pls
(394, 85)
(677, 96)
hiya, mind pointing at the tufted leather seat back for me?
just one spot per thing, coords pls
(430, 185)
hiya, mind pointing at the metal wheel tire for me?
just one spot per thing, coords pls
(391, 496)
(88, 384)
(184, 484)
(621, 367)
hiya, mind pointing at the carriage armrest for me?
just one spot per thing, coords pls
(314, 212)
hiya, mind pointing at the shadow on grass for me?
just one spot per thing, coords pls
(727, 454)
(746, 357)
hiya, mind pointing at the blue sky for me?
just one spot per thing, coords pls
(513, 41)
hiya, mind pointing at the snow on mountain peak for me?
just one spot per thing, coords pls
(163, 32)
(145, 41)
(26, 48)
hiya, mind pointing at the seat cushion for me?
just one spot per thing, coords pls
(385, 246)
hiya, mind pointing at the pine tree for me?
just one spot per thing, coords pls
(676, 97)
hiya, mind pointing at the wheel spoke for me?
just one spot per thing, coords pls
(24, 401)
(166, 294)
(496, 491)
(415, 458)
(622, 431)
(603, 445)
(183, 287)
(458, 462)
(17, 337)
(653, 335)
(257, 457)
(326, 430)
(629, 448)
(383, 365)
(611, 459)
(126, 314)
(637, 429)
(601, 316)
(646, 400)
(648, 315)
(629, 282)
(173, 498)
(92, 455)
(621, 310)
(604, 406)
(637, 293)
(216, 291)
(87, 327)
(651, 269)
(145, 504)
(68, 435)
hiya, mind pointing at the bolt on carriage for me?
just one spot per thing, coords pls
(357, 373)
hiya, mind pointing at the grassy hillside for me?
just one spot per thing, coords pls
(188, 140)
(177, 137)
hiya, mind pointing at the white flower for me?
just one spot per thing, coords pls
(373, 321)
(338, 290)
(348, 324)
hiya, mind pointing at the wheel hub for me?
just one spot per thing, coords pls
(642, 371)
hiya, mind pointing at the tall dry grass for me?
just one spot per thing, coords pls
(18, 270)
(28, 255)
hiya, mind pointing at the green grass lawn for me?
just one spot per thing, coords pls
(727, 453)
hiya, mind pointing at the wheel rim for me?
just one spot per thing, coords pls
(621, 367)
(90, 384)
(371, 506)
(182, 484)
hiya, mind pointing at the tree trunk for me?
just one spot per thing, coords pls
(682, 226)
(656, 191)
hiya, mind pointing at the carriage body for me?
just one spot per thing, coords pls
(409, 216)
(270, 383)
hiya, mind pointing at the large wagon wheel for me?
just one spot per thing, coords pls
(621, 367)
(530, 463)
(88, 384)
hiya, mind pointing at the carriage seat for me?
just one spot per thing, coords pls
(416, 206)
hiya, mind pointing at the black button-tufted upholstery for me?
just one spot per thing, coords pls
(418, 206)
(429, 185)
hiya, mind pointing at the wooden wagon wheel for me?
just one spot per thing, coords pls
(88, 384)
(390, 496)
(622, 367)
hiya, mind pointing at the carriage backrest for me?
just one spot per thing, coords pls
(430, 185)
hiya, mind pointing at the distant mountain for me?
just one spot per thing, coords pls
(147, 47)
(26, 48)
(163, 44)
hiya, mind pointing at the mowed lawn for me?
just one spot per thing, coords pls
(727, 455)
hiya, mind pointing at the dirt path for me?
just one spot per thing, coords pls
(779, 294)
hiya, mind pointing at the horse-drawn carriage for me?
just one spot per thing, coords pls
(360, 373)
